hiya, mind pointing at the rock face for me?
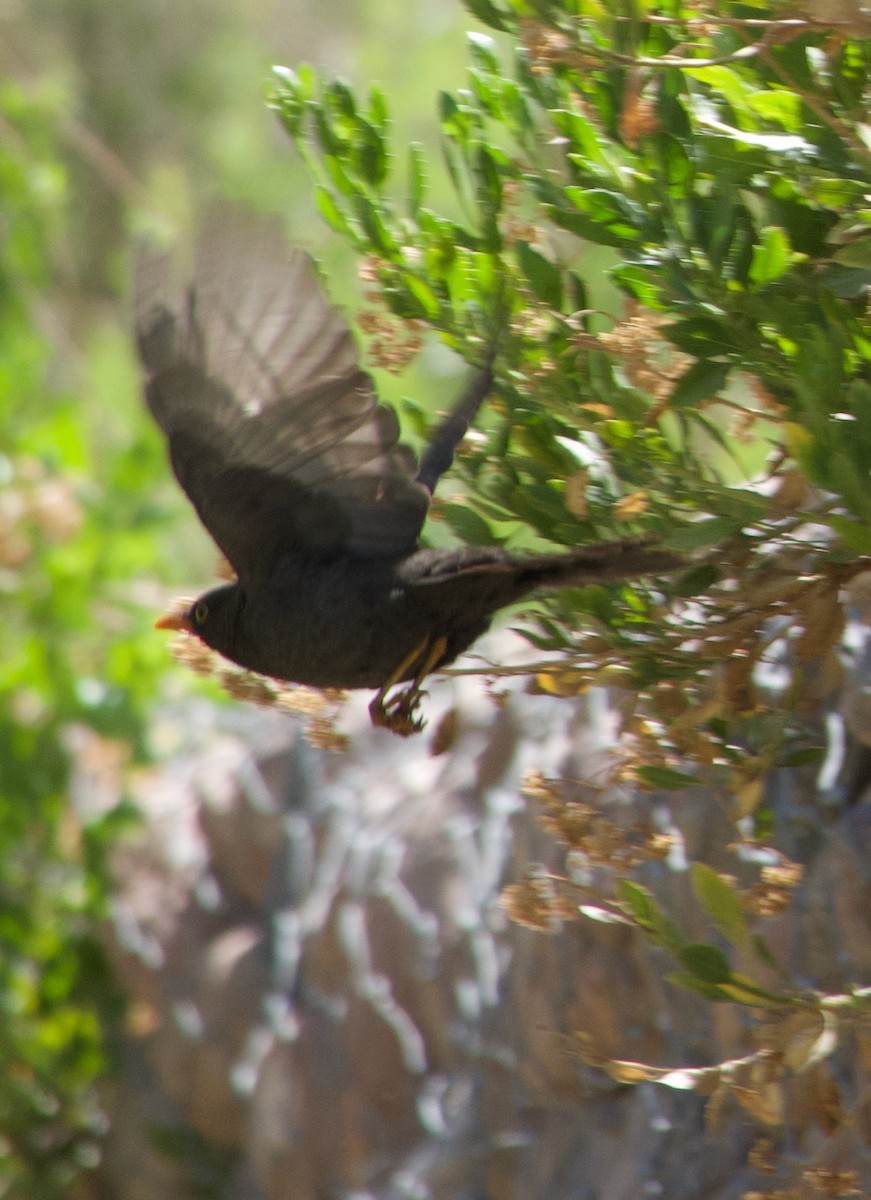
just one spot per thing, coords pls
(329, 1000)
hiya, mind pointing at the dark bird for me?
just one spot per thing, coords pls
(277, 437)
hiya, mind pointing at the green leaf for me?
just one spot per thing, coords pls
(721, 902)
(372, 223)
(648, 914)
(803, 756)
(416, 178)
(482, 52)
(855, 254)
(341, 99)
(488, 187)
(646, 284)
(741, 505)
(378, 111)
(675, 163)
(696, 580)
(456, 120)
(855, 534)
(781, 107)
(728, 82)
(332, 214)
(467, 524)
(336, 167)
(771, 257)
(700, 534)
(587, 150)
(706, 963)
(601, 216)
(420, 299)
(370, 156)
(704, 379)
(488, 14)
(639, 900)
(742, 990)
(714, 430)
(325, 132)
(544, 277)
(290, 96)
(665, 777)
(691, 983)
(703, 337)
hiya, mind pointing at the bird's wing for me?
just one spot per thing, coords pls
(274, 431)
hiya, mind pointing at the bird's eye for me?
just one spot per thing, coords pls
(201, 612)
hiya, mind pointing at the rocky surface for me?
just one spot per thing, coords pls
(329, 1000)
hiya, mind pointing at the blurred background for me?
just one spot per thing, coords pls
(118, 121)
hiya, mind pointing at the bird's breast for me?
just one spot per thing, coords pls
(345, 624)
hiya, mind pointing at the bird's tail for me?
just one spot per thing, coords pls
(606, 561)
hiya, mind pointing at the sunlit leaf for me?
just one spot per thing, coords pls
(604, 915)
(771, 256)
(330, 211)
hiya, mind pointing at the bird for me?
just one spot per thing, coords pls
(297, 471)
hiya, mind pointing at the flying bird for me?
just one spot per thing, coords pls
(296, 471)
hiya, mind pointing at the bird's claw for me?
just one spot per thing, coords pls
(398, 714)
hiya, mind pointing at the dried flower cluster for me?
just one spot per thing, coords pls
(320, 707)
(515, 225)
(650, 362)
(824, 1182)
(548, 47)
(639, 115)
(538, 901)
(592, 837)
(595, 841)
(392, 343)
(773, 893)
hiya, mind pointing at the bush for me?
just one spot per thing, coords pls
(662, 221)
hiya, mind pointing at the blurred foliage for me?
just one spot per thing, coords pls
(85, 503)
(792, 1078)
(665, 228)
(58, 673)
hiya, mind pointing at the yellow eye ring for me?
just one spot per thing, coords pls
(201, 612)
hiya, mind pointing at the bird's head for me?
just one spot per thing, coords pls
(213, 618)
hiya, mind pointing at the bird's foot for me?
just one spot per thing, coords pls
(399, 713)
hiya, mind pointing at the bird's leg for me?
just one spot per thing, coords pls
(398, 713)
(379, 711)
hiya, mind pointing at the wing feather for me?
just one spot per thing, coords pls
(275, 432)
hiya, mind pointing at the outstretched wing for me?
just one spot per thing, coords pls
(274, 431)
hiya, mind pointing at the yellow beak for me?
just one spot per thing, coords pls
(173, 621)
